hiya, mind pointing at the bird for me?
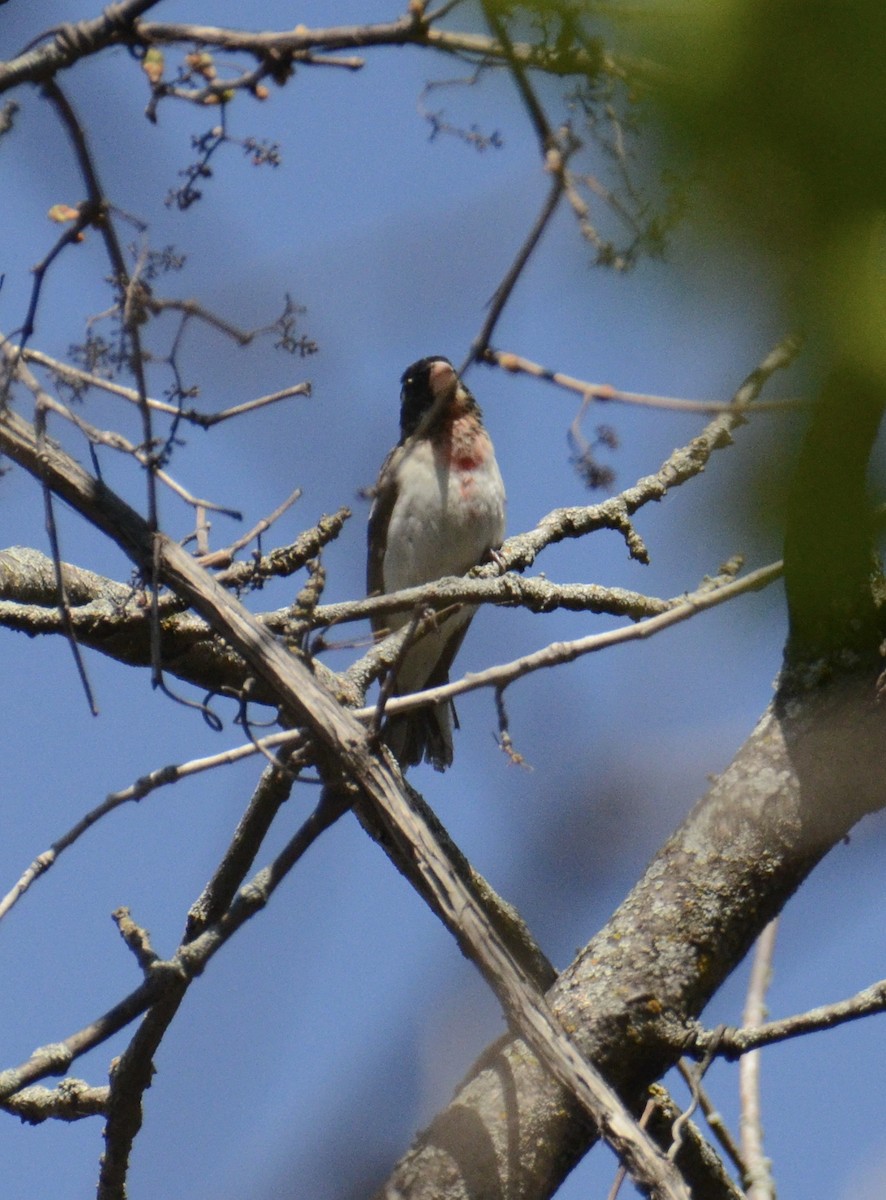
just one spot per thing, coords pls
(439, 509)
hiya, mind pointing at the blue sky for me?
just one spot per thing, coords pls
(341, 1018)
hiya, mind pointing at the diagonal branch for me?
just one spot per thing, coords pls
(345, 745)
(733, 864)
(135, 1067)
(501, 675)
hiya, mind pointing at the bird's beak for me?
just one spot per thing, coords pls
(443, 382)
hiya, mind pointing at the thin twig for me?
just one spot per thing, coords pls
(714, 1119)
(758, 1181)
(507, 285)
(503, 674)
(547, 142)
(286, 560)
(122, 283)
(418, 624)
(701, 1166)
(605, 392)
(67, 373)
(223, 558)
(682, 1122)
(111, 439)
(237, 410)
(134, 1070)
(683, 464)
(162, 777)
(64, 609)
(531, 102)
(166, 977)
(735, 1042)
(193, 309)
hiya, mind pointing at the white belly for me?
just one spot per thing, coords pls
(444, 521)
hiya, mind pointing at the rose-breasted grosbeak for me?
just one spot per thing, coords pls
(439, 509)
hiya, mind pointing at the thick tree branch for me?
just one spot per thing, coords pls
(683, 929)
(811, 769)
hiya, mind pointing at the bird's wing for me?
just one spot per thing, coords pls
(379, 519)
(451, 647)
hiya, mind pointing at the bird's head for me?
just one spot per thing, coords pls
(429, 387)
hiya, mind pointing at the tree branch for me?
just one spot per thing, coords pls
(72, 1100)
(306, 702)
(606, 393)
(757, 1181)
(120, 23)
(731, 866)
(732, 1043)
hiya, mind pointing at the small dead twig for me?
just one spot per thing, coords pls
(223, 558)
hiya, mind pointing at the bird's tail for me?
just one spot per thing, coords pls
(425, 733)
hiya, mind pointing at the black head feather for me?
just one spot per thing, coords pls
(417, 397)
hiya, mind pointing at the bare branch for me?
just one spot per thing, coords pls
(223, 558)
(758, 1181)
(406, 30)
(103, 437)
(308, 703)
(286, 560)
(517, 67)
(735, 1042)
(75, 376)
(135, 1068)
(207, 420)
(71, 42)
(683, 464)
(714, 1119)
(136, 938)
(536, 593)
(507, 285)
(162, 777)
(121, 23)
(503, 674)
(71, 1100)
(64, 610)
(605, 392)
